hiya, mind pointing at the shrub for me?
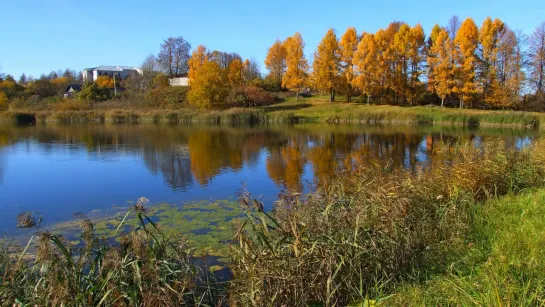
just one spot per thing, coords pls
(249, 96)
(93, 92)
(174, 95)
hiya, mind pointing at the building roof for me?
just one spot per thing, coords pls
(75, 87)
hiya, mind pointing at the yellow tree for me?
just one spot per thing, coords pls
(105, 81)
(276, 61)
(490, 36)
(441, 67)
(326, 66)
(417, 56)
(466, 41)
(198, 58)
(297, 66)
(348, 46)
(209, 87)
(367, 76)
(234, 72)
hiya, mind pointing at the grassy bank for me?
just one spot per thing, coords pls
(308, 110)
(505, 265)
(317, 109)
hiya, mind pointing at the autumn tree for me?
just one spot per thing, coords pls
(453, 26)
(490, 36)
(60, 84)
(234, 73)
(466, 41)
(105, 81)
(537, 59)
(367, 74)
(296, 64)
(348, 46)
(327, 64)
(174, 55)
(250, 70)
(23, 80)
(198, 58)
(209, 87)
(441, 68)
(275, 61)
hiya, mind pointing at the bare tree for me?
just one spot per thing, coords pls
(174, 55)
(453, 25)
(537, 59)
(149, 69)
(251, 70)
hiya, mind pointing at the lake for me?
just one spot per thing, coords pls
(57, 170)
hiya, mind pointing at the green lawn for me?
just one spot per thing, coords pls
(505, 265)
(319, 109)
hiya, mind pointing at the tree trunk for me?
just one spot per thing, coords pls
(461, 103)
(297, 95)
(368, 99)
(442, 101)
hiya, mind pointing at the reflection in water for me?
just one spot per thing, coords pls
(204, 161)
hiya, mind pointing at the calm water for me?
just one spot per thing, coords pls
(59, 170)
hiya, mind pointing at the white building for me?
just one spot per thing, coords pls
(120, 72)
(180, 81)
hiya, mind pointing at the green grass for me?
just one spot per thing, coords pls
(318, 109)
(314, 109)
(505, 265)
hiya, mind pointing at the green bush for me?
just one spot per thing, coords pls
(93, 92)
(172, 95)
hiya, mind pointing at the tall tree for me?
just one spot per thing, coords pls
(174, 55)
(327, 64)
(453, 26)
(198, 58)
(296, 64)
(251, 70)
(234, 73)
(209, 86)
(149, 70)
(367, 78)
(23, 80)
(275, 61)
(537, 59)
(467, 40)
(348, 46)
(490, 36)
(441, 68)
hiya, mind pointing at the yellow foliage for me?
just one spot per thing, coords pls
(105, 81)
(366, 64)
(198, 58)
(209, 87)
(234, 72)
(467, 40)
(441, 68)
(296, 74)
(348, 46)
(326, 66)
(276, 61)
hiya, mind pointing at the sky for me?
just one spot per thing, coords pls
(38, 36)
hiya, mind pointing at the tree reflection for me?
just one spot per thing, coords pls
(188, 155)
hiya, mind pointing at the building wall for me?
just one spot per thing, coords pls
(183, 81)
(88, 75)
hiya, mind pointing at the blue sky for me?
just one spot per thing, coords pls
(38, 36)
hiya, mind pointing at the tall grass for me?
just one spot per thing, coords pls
(146, 268)
(370, 233)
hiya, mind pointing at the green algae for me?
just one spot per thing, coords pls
(208, 226)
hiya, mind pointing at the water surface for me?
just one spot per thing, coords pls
(58, 170)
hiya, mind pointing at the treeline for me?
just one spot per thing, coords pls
(459, 64)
